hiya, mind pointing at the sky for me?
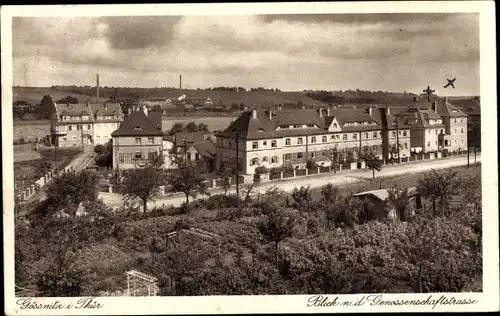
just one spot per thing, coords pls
(388, 52)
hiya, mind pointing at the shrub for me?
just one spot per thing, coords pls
(221, 201)
(21, 140)
(311, 164)
(261, 170)
(99, 149)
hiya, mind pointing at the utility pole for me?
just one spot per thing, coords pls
(81, 129)
(238, 166)
(468, 146)
(185, 152)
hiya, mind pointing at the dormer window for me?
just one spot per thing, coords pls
(138, 128)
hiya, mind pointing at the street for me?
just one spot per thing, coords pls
(344, 177)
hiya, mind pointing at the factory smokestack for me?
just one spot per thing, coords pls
(97, 87)
(180, 84)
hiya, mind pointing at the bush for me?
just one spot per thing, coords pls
(221, 201)
(261, 170)
(21, 140)
(99, 149)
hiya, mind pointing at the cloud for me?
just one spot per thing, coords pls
(128, 32)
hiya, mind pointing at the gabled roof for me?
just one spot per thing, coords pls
(261, 124)
(446, 109)
(206, 149)
(469, 106)
(105, 109)
(189, 137)
(138, 124)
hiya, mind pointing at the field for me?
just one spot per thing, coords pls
(34, 95)
(31, 130)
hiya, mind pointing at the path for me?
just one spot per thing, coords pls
(115, 200)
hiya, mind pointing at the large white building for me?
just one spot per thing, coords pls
(273, 138)
(84, 123)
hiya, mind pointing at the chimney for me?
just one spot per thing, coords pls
(97, 87)
(129, 110)
(388, 110)
(304, 107)
(328, 111)
(270, 114)
(370, 110)
(145, 109)
(414, 99)
(180, 84)
(434, 106)
(279, 107)
(254, 113)
(320, 112)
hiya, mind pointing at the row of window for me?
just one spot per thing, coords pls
(138, 140)
(447, 143)
(86, 117)
(133, 157)
(455, 131)
(255, 161)
(75, 137)
(89, 126)
(298, 126)
(324, 139)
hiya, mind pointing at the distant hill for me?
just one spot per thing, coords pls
(249, 98)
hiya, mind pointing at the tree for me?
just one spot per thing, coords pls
(439, 186)
(329, 193)
(278, 225)
(202, 127)
(225, 178)
(399, 199)
(47, 107)
(142, 183)
(191, 127)
(372, 162)
(70, 189)
(345, 212)
(99, 149)
(176, 128)
(302, 197)
(188, 180)
(43, 167)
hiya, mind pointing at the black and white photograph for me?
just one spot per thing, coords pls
(324, 157)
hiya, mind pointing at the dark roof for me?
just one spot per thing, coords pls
(469, 106)
(206, 149)
(446, 109)
(106, 108)
(189, 137)
(156, 118)
(138, 124)
(266, 123)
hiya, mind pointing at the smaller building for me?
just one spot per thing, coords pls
(138, 138)
(185, 139)
(202, 154)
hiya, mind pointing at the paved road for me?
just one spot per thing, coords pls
(77, 164)
(341, 178)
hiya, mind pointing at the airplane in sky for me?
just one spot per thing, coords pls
(450, 83)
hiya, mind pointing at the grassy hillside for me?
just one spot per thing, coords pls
(250, 98)
(34, 95)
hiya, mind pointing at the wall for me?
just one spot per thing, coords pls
(102, 132)
(458, 133)
(127, 147)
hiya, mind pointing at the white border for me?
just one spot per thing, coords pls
(487, 301)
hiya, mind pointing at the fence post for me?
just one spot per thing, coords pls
(294, 172)
(281, 174)
(214, 183)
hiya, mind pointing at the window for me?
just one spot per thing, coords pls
(288, 157)
(462, 120)
(323, 139)
(196, 156)
(188, 155)
(264, 143)
(313, 139)
(65, 138)
(436, 142)
(441, 131)
(299, 140)
(70, 127)
(255, 145)
(273, 143)
(393, 134)
(310, 125)
(354, 136)
(230, 144)
(287, 142)
(299, 155)
(265, 159)
(455, 141)
(274, 159)
(374, 134)
(429, 132)
(297, 126)
(313, 154)
(366, 135)
(98, 137)
(323, 153)
(151, 140)
(428, 144)
(455, 131)
(365, 149)
(436, 132)
(137, 140)
(374, 147)
(254, 161)
(405, 133)
(462, 141)
(344, 137)
(332, 137)
(88, 126)
(74, 137)
(337, 136)
(454, 120)
(461, 131)
(406, 145)
(138, 155)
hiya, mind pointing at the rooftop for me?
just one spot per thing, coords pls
(138, 124)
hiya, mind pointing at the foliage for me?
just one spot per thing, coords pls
(142, 183)
(225, 178)
(219, 201)
(329, 193)
(399, 199)
(69, 189)
(438, 187)
(104, 154)
(372, 162)
(46, 108)
(344, 212)
(311, 164)
(42, 168)
(278, 225)
(99, 149)
(302, 197)
(189, 181)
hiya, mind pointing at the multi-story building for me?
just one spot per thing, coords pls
(293, 137)
(84, 123)
(436, 125)
(138, 138)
